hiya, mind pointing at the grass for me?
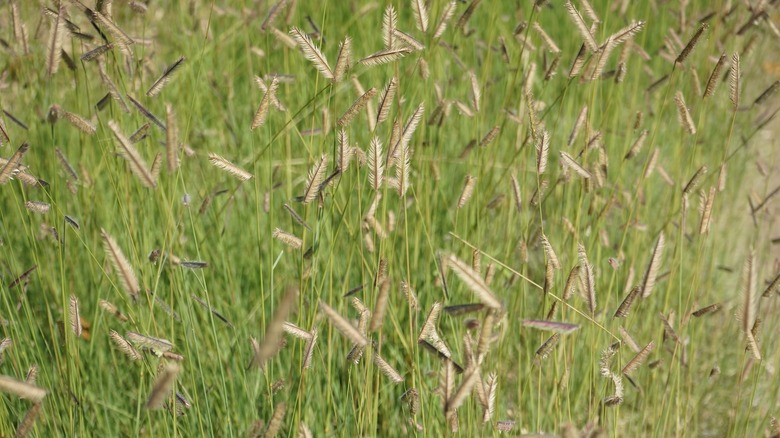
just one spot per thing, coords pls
(224, 318)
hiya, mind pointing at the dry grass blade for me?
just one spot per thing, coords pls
(19, 27)
(602, 57)
(463, 309)
(468, 190)
(11, 167)
(122, 267)
(546, 348)
(343, 60)
(66, 164)
(712, 308)
(578, 63)
(563, 328)
(691, 44)
(113, 91)
(712, 82)
(414, 45)
(370, 109)
(706, 210)
(23, 390)
(429, 326)
(288, 239)
(436, 345)
(312, 53)
(96, 52)
(550, 252)
(542, 150)
(412, 398)
(491, 386)
(490, 136)
(626, 33)
(296, 217)
(385, 56)
(571, 283)
(734, 78)
(284, 38)
(146, 113)
(275, 423)
(581, 119)
(125, 346)
(343, 326)
(684, 115)
(389, 24)
(356, 352)
(268, 98)
(28, 421)
(637, 146)
(767, 93)
(137, 164)
(629, 340)
(590, 12)
(420, 12)
(463, 391)
(386, 100)
(273, 13)
(77, 121)
(304, 431)
(213, 311)
(516, 194)
(37, 207)
(376, 164)
(587, 279)
(446, 381)
(652, 268)
(344, 153)
(546, 39)
(308, 353)
(774, 285)
(474, 281)
(639, 359)
(409, 129)
(274, 99)
(273, 333)
(446, 16)
(358, 105)
(165, 78)
(747, 311)
(162, 386)
(380, 307)
(158, 345)
(75, 318)
(584, 30)
(314, 180)
(568, 162)
(229, 167)
(625, 306)
(669, 331)
(119, 35)
(56, 35)
(5, 344)
(387, 369)
(112, 309)
(171, 139)
(4, 137)
(693, 183)
(476, 92)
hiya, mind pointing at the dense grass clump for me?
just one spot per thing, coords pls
(389, 218)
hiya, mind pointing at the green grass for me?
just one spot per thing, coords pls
(93, 389)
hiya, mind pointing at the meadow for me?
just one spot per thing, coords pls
(389, 218)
